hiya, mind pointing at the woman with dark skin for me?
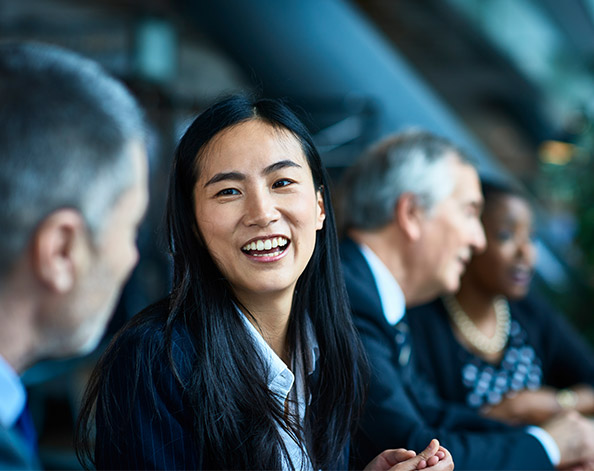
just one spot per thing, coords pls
(251, 362)
(516, 360)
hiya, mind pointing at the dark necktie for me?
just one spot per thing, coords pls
(403, 341)
(24, 425)
(402, 338)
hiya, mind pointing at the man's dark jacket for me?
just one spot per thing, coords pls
(402, 411)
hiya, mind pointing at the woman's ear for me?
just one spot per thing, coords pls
(56, 248)
(321, 209)
(409, 216)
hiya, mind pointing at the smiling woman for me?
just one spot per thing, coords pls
(252, 361)
(258, 212)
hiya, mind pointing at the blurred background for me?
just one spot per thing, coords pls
(510, 81)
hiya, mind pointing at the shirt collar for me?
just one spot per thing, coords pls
(280, 377)
(390, 293)
(13, 394)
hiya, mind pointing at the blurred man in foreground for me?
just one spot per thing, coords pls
(73, 190)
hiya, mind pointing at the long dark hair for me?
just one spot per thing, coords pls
(235, 416)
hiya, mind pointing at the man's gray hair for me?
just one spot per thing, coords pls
(66, 128)
(413, 161)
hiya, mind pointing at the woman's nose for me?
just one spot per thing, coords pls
(527, 250)
(260, 209)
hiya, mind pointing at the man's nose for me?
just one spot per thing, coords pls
(479, 240)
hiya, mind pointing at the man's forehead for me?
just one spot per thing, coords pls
(466, 182)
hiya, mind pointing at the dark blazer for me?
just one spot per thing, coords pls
(154, 421)
(14, 453)
(564, 357)
(404, 411)
(154, 414)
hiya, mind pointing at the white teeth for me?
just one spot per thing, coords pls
(273, 254)
(266, 244)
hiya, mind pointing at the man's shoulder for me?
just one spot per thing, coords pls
(349, 252)
(355, 268)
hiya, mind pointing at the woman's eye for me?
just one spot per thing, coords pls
(504, 235)
(281, 183)
(228, 192)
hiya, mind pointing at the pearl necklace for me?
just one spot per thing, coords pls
(472, 334)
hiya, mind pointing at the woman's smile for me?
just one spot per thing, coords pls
(266, 249)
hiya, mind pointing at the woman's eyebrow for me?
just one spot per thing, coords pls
(238, 176)
(279, 165)
(219, 177)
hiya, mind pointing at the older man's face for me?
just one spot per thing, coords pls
(451, 232)
(109, 262)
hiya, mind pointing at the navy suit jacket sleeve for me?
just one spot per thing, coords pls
(154, 423)
(400, 413)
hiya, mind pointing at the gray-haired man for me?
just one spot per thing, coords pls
(73, 190)
(410, 208)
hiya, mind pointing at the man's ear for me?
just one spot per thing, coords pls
(409, 216)
(56, 249)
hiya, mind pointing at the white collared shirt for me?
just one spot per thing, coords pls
(281, 380)
(391, 295)
(12, 395)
